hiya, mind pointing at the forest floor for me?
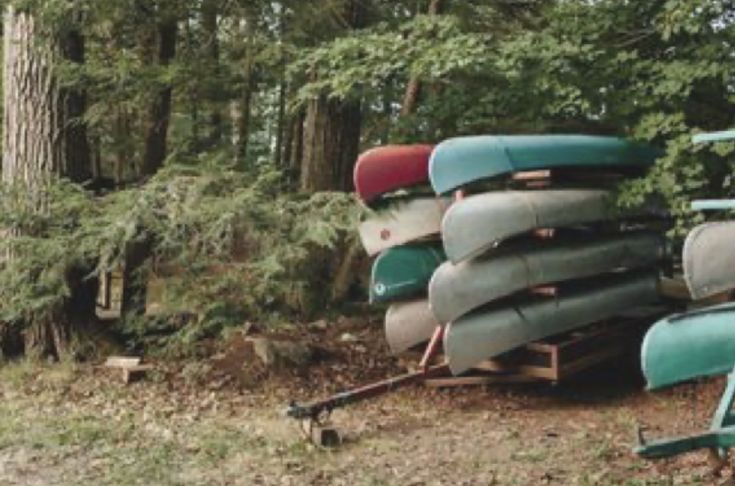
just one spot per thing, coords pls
(190, 424)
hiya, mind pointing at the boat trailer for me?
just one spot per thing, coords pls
(720, 437)
(314, 417)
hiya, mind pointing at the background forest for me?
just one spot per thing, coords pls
(213, 140)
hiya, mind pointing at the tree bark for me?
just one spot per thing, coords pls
(295, 147)
(156, 127)
(413, 89)
(43, 139)
(156, 150)
(332, 131)
(214, 90)
(331, 144)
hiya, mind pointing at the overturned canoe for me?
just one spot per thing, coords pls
(690, 345)
(478, 223)
(488, 333)
(402, 222)
(404, 271)
(709, 259)
(455, 290)
(408, 324)
(460, 161)
(387, 169)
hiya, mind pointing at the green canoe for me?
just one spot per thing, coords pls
(489, 333)
(404, 271)
(690, 345)
(460, 161)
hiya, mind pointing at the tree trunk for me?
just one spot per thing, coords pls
(413, 90)
(214, 90)
(295, 147)
(156, 135)
(331, 144)
(241, 107)
(243, 110)
(43, 139)
(332, 131)
(280, 125)
(156, 127)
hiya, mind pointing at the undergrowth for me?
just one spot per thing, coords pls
(231, 247)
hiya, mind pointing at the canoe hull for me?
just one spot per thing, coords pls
(487, 334)
(478, 223)
(403, 272)
(408, 324)
(707, 276)
(387, 169)
(455, 290)
(691, 345)
(460, 161)
(401, 223)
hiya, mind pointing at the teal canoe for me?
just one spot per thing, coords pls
(461, 161)
(404, 271)
(691, 345)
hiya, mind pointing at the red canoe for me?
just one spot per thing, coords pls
(386, 169)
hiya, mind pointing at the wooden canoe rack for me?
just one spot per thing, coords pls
(541, 179)
(558, 358)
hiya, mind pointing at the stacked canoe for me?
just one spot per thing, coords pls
(402, 233)
(506, 282)
(495, 265)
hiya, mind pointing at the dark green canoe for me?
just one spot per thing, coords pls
(460, 161)
(403, 272)
(691, 345)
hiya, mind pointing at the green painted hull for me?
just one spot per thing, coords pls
(404, 272)
(489, 333)
(455, 290)
(691, 345)
(461, 161)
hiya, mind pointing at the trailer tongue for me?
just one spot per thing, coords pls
(317, 413)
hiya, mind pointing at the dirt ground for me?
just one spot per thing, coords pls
(194, 423)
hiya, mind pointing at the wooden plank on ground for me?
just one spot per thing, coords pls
(122, 361)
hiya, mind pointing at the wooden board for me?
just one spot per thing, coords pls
(561, 357)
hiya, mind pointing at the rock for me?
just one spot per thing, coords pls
(349, 338)
(320, 325)
(283, 354)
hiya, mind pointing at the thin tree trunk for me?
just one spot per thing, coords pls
(242, 106)
(156, 135)
(280, 125)
(212, 52)
(413, 90)
(296, 147)
(156, 130)
(245, 111)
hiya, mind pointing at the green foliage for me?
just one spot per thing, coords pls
(231, 246)
(655, 71)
